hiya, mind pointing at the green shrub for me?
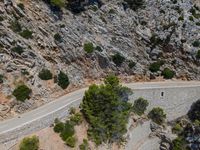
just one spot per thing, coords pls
(58, 37)
(1, 78)
(197, 122)
(136, 4)
(196, 43)
(21, 6)
(181, 18)
(178, 144)
(29, 143)
(174, 1)
(84, 145)
(45, 74)
(157, 115)
(76, 118)
(68, 131)
(106, 109)
(1, 19)
(198, 54)
(194, 13)
(63, 80)
(15, 26)
(88, 47)
(194, 112)
(177, 129)
(59, 127)
(27, 34)
(94, 8)
(131, 64)
(72, 110)
(71, 141)
(154, 67)
(155, 40)
(118, 59)
(112, 11)
(191, 18)
(198, 23)
(18, 49)
(98, 48)
(57, 3)
(167, 73)
(140, 106)
(22, 93)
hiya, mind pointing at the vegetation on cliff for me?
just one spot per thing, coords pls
(22, 93)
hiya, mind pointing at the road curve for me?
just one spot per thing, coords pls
(10, 125)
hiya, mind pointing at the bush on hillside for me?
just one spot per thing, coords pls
(27, 34)
(168, 73)
(45, 74)
(84, 145)
(22, 93)
(194, 112)
(198, 54)
(136, 4)
(177, 129)
(157, 115)
(179, 144)
(106, 109)
(131, 64)
(154, 67)
(15, 26)
(17, 49)
(118, 59)
(57, 3)
(89, 47)
(72, 111)
(196, 43)
(71, 141)
(1, 78)
(1, 19)
(140, 106)
(98, 48)
(29, 143)
(76, 118)
(59, 127)
(21, 6)
(58, 37)
(63, 80)
(68, 131)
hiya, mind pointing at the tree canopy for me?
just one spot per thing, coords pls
(63, 80)
(106, 109)
(22, 93)
(29, 143)
(194, 112)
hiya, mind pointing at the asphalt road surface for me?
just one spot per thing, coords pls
(11, 124)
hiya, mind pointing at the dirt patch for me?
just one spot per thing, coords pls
(49, 140)
(3, 99)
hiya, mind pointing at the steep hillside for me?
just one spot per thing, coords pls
(93, 43)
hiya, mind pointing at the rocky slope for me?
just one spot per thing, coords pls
(166, 30)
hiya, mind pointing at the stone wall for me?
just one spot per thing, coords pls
(176, 101)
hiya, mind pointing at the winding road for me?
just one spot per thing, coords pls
(11, 125)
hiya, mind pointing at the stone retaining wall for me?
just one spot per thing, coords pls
(176, 101)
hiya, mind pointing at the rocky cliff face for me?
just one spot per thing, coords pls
(33, 37)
